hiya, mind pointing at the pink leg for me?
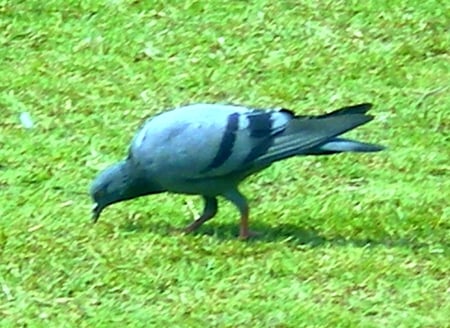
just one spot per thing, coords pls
(244, 232)
(208, 213)
(240, 202)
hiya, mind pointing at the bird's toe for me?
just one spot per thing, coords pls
(245, 235)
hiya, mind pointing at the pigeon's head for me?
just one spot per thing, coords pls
(110, 186)
(117, 183)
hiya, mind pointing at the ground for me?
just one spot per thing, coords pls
(347, 241)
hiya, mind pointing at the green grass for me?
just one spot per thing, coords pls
(348, 241)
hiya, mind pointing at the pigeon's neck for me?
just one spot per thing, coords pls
(138, 184)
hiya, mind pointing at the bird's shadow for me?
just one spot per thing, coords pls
(286, 233)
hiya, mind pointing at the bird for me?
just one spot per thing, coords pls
(209, 149)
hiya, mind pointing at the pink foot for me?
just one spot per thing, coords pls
(244, 235)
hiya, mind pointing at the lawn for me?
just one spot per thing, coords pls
(352, 240)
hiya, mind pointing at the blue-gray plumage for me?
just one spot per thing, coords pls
(208, 149)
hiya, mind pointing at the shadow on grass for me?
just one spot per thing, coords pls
(286, 233)
(293, 234)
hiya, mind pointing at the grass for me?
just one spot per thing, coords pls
(348, 241)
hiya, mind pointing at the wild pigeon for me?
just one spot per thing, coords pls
(208, 149)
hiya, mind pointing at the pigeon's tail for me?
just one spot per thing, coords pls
(341, 145)
(317, 135)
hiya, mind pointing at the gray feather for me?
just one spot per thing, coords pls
(304, 134)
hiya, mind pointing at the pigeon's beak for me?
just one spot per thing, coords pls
(96, 210)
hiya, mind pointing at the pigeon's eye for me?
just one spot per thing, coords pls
(99, 193)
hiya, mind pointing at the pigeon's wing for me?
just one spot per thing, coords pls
(260, 137)
(303, 135)
(349, 110)
(246, 136)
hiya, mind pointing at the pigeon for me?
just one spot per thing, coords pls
(209, 149)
